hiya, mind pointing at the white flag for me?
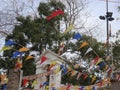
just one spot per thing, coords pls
(89, 49)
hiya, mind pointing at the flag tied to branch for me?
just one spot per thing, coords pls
(9, 43)
(77, 36)
(83, 44)
(5, 48)
(29, 57)
(69, 28)
(88, 50)
(23, 49)
(54, 14)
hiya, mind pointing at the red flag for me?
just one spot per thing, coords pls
(68, 87)
(54, 14)
(43, 58)
(25, 81)
(96, 59)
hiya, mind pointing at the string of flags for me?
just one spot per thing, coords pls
(68, 70)
(17, 53)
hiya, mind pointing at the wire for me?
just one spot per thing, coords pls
(110, 1)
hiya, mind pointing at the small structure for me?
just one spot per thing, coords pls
(42, 67)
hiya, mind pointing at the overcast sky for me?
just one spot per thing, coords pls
(97, 8)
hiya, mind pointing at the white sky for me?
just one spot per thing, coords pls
(98, 8)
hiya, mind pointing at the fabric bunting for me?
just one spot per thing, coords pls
(102, 65)
(88, 88)
(57, 69)
(73, 73)
(54, 14)
(88, 50)
(53, 88)
(16, 54)
(83, 44)
(77, 66)
(62, 45)
(68, 87)
(79, 74)
(99, 60)
(18, 64)
(95, 60)
(9, 43)
(94, 88)
(5, 48)
(34, 83)
(29, 57)
(77, 36)
(69, 28)
(65, 71)
(25, 81)
(43, 59)
(23, 49)
(82, 88)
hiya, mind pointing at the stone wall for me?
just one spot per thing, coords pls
(13, 82)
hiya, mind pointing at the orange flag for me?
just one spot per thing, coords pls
(29, 57)
(83, 44)
(23, 49)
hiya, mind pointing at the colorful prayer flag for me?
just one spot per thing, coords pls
(83, 44)
(95, 60)
(5, 48)
(9, 42)
(77, 36)
(54, 14)
(43, 58)
(15, 54)
(29, 57)
(23, 49)
(88, 88)
(69, 28)
(88, 50)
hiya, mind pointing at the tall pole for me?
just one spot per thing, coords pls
(107, 27)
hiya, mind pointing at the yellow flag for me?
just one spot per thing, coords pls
(83, 44)
(53, 63)
(93, 79)
(34, 83)
(46, 87)
(57, 69)
(29, 57)
(23, 49)
(88, 88)
(5, 48)
(69, 28)
(100, 60)
(76, 88)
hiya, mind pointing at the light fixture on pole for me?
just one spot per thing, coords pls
(108, 17)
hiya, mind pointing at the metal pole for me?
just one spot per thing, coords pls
(107, 23)
(20, 80)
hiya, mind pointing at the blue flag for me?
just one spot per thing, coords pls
(94, 88)
(45, 83)
(53, 88)
(9, 42)
(15, 54)
(77, 36)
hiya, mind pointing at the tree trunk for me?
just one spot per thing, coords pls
(13, 78)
